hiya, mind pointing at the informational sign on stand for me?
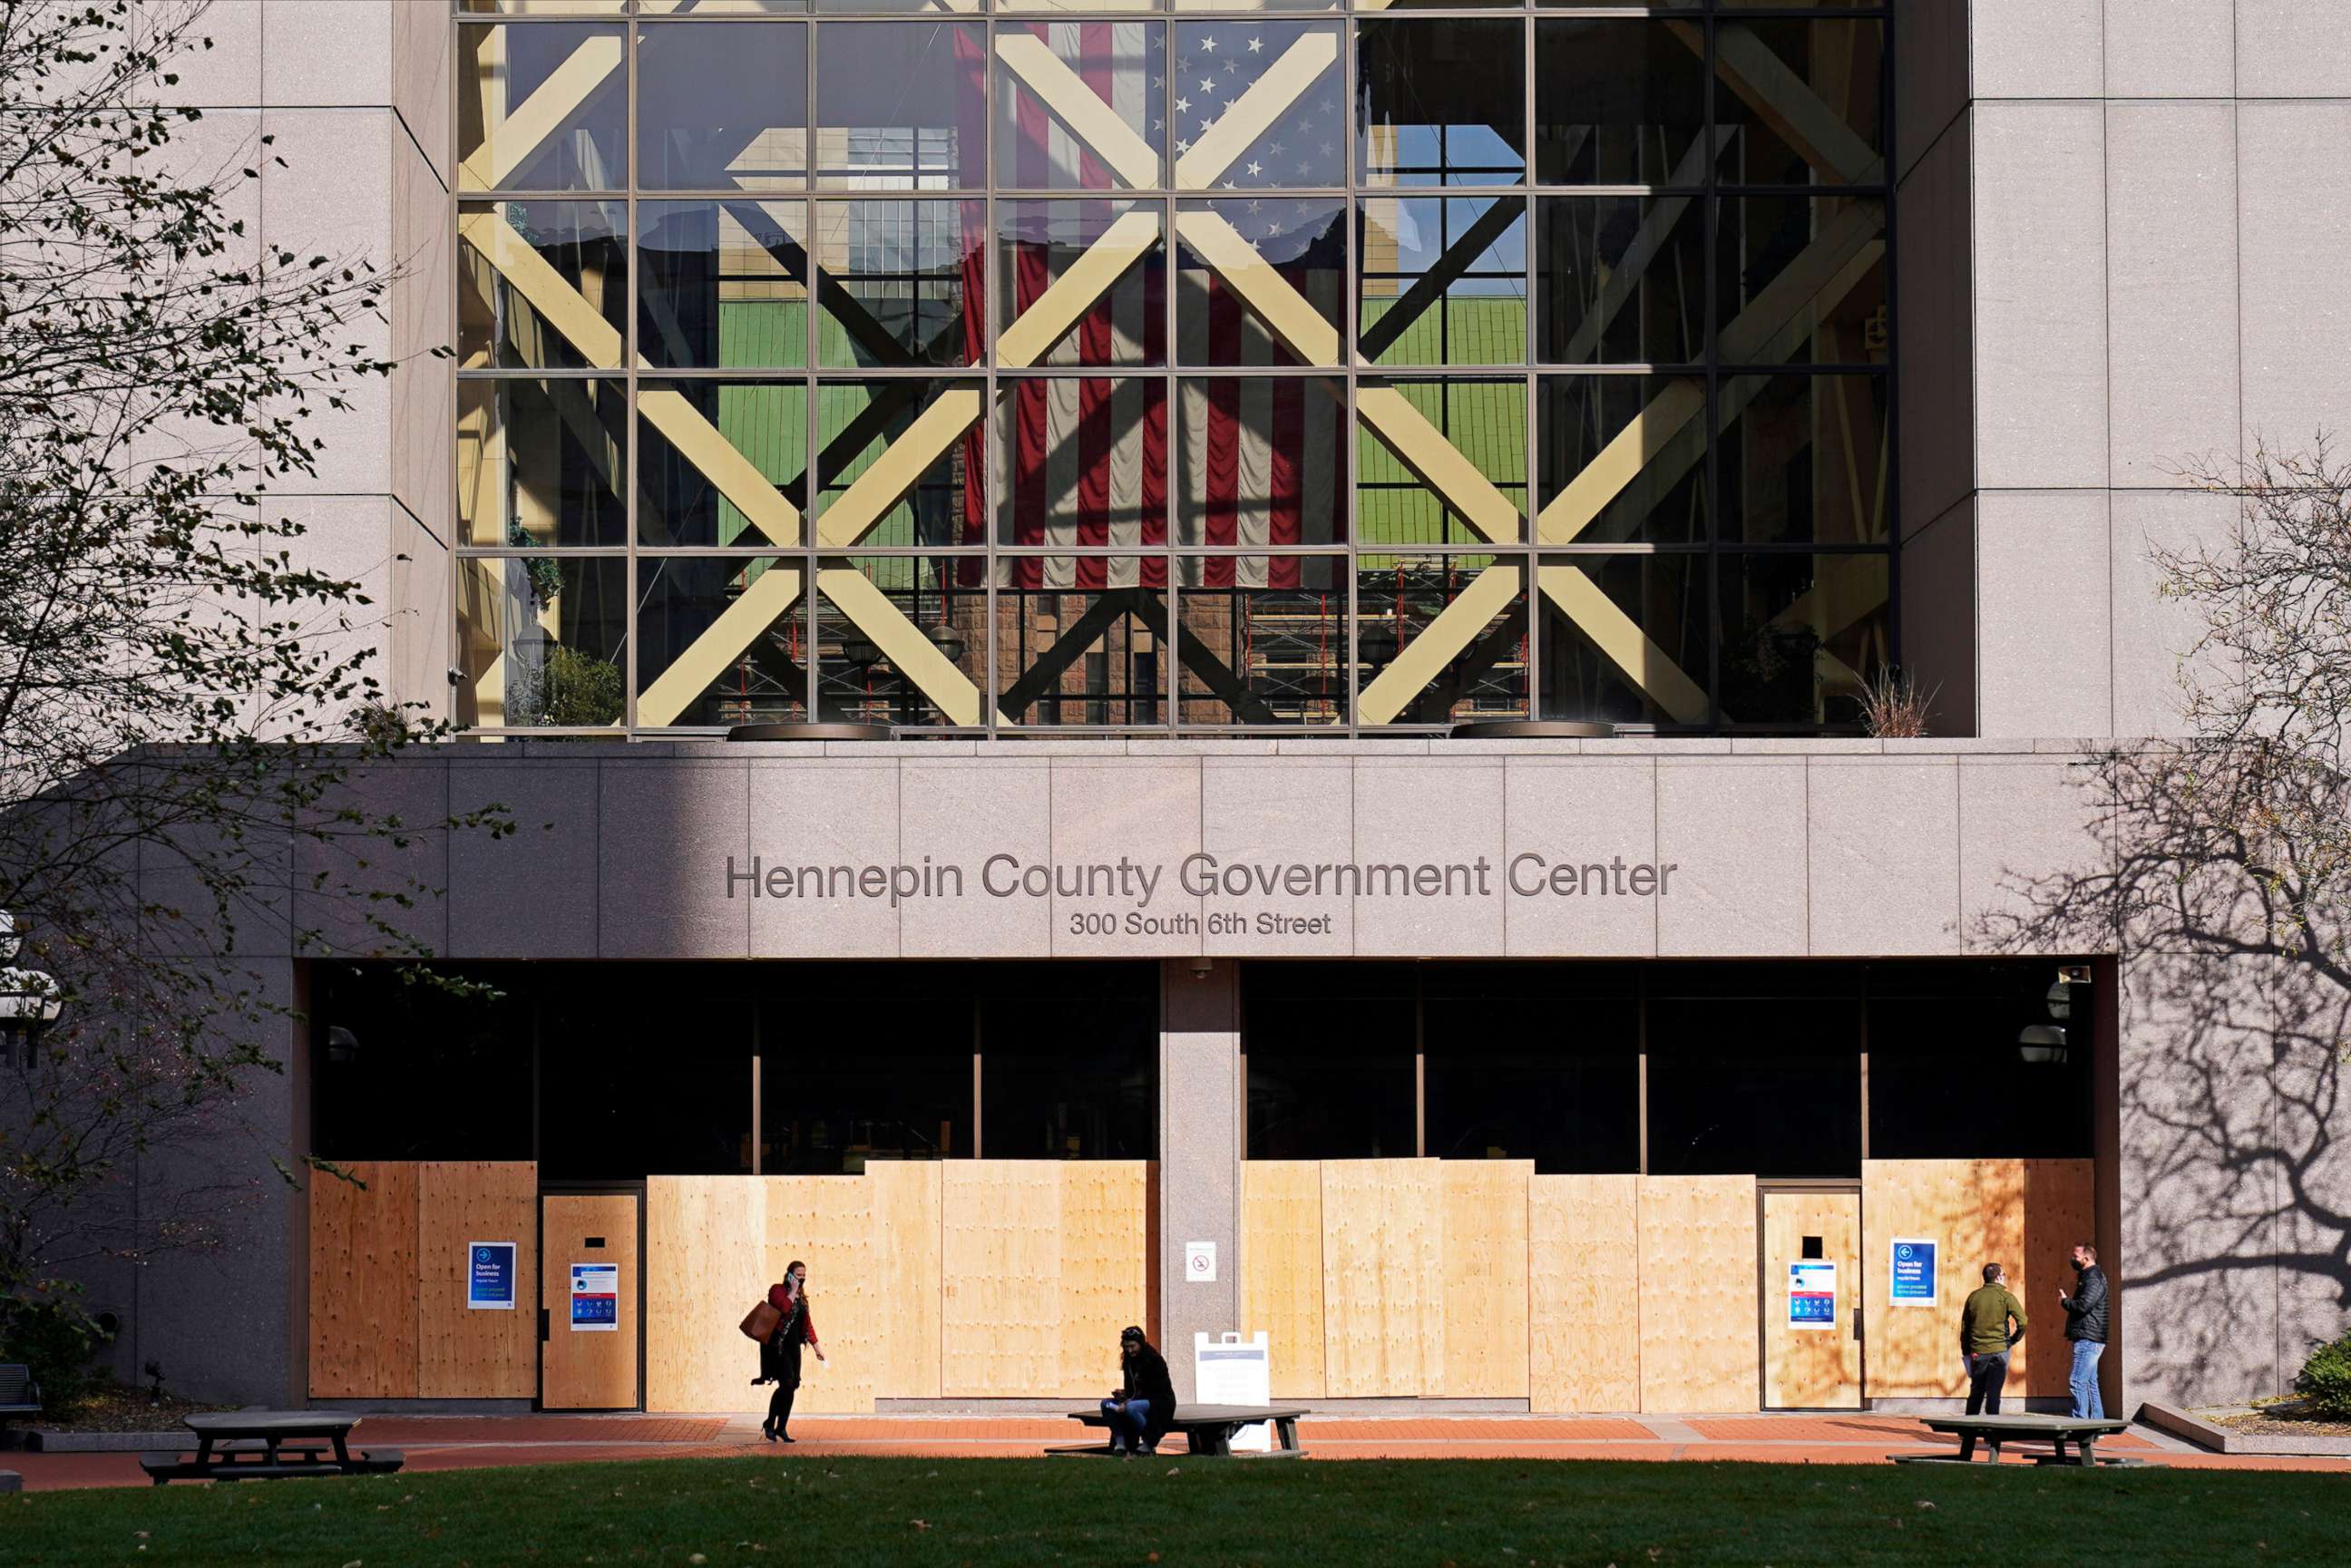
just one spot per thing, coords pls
(1910, 1273)
(1230, 1369)
(490, 1275)
(595, 1298)
(1811, 1294)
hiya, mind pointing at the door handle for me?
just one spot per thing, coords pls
(542, 1325)
(1857, 1332)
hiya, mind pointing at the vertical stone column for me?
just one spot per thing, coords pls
(1200, 1122)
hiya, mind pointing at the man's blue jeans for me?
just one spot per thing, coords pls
(2088, 1406)
(1126, 1421)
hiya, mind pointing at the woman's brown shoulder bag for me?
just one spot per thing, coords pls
(760, 1323)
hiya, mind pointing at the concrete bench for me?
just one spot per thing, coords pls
(1208, 1429)
(1995, 1431)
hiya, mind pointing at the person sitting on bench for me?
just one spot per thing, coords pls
(1139, 1413)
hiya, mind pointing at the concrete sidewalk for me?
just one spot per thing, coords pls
(455, 1442)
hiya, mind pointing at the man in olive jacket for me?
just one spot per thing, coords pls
(1986, 1336)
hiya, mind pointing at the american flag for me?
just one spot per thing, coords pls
(1084, 460)
(1216, 62)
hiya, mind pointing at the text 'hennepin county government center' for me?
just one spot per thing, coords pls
(1292, 584)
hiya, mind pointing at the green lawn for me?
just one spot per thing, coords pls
(1176, 1512)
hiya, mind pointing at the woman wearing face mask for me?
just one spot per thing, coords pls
(1141, 1410)
(780, 1354)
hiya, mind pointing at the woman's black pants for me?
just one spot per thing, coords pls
(783, 1365)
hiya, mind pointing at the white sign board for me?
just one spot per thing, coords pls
(1230, 1369)
(1199, 1262)
(595, 1298)
(1811, 1295)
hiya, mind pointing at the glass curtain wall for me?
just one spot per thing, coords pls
(1133, 366)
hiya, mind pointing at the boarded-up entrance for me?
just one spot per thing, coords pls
(587, 1360)
(1812, 1301)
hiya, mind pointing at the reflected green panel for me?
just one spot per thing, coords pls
(1486, 422)
(767, 424)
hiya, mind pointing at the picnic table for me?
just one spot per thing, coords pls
(1209, 1429)
(1996, 1430)
(242, 1445)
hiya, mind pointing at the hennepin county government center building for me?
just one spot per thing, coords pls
(1291, 581)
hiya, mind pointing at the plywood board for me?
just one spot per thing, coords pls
(1483, 1277)
(1383, 1323)
(2023, 1214)
(2061, 1211)
(466, 1352)
(583, 1370)
(1282, 1270)
(1105, 1264)
(363, 1282)
(906, 1205)
(1001, 1264)
(707, 1265)
(1583, 1237)
(1811, 1368)
(1698, 1347)
(827, 1223)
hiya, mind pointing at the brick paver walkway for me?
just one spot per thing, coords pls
(467, 1442)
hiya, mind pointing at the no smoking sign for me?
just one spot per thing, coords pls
(1200, 1262)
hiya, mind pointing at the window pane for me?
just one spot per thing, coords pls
(385, 1046)
(1538, 1064)
(1786, 1101)
(693, 671)
(1292, 317)
(1801, 635)
(585, 321)
(1442, 102)
(722, 105)
(1038, 241)
(694, 435)
(1620, 102)
(1405, 428)
(905, 283)
(1082, 461)
(1328, 1052)
(865, 1062)
(1804, 459)
(1080, 639)
(1076, 109)
(1622, 280)
(541, 463)
(1282, 79)
(654, 1082)
(1592, 430)
(1935, 1025)
(1265, 640)
(1419, 669)
(540, 640)
(1624, 639)
(900, 106)
(724, 285)
(1262, 462)
(543, 108)
(900, 461)
(1799, 279)
(902, 638)
(1800, 102)
(1070, 1061)
(1444, 281)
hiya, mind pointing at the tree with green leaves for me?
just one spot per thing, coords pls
(184, 700)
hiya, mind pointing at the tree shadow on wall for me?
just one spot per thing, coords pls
(2235, 1012)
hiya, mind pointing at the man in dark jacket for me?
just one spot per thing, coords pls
(1145, 1405)
(2088, 1313)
